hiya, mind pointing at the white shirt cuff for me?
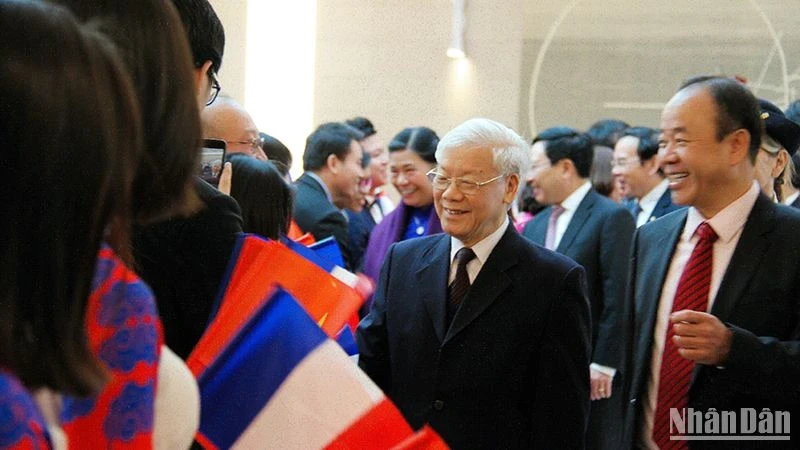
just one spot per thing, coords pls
(610, 371)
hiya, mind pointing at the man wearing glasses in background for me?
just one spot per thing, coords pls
(635, 168)
(227, 120)
(478, 332)
(596, 233)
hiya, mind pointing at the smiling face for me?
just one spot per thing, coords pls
(470, 218)
(378, 160)
(407, 172)
(348, 174)
(544, 178)
(697, 164)
(635, 177)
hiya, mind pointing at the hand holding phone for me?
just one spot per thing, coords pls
(212, 157)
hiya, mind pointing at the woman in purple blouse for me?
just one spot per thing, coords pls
(411, 156)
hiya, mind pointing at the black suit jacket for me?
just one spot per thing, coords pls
(598, 237)
(759, 300)
(183, 260)
(315, 214)
(512, 371)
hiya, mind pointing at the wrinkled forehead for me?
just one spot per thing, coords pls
(456, 161)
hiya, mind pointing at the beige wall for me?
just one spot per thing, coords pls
(233, 14)
(531, 63)
(386, 60)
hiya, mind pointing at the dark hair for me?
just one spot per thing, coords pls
(363, 125)
(606, 132)
(263, 194)
(737, 107)
(332, 138)
(152, 43)
(648, 141)
(600, 174)
(70, 132)
(277, 153)
(204, 30)
(421, 140)
(568, 143)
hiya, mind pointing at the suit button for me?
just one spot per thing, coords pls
(438, 405)
(633, 401)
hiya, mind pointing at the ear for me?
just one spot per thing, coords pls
(566, 167)
(780, 163)
(652, 165)
(332, 163)
(200, 77)
(739, 142)
(512, 184)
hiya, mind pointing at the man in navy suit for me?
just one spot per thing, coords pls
(478, 332)
(333, 168)
(635, 168)
(736, 253)
(595, 232)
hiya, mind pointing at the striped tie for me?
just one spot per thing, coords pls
(460, 285)
(676, 371)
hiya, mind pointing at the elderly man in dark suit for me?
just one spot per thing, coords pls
(716, 287)
(635, 167)
(500, 357)
(333, 169)
(595, 232)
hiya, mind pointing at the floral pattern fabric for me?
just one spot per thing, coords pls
(125, 334)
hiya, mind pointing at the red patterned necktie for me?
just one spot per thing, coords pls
(460, 285)
(676, 371)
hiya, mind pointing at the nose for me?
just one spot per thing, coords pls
(616, 170)
(452, 192)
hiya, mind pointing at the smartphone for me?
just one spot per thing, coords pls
(212, 156)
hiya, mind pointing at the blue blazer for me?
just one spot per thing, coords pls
(511, 371)
(758, 299)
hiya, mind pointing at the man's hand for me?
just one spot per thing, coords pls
(701, 337)
(601, 385)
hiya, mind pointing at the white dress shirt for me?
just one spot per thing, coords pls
(728, 224)
(482, 251)
(790, 199)
(570, 205)
(649, 201)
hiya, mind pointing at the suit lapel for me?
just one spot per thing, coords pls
(432, 281)
(747, 257)
(661, 206)
(656, 263)
(576, 223)
(490, 283)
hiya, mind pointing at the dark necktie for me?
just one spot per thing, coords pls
(460, 285)
(676, 371)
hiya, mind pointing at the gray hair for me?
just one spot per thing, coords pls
(510, 153)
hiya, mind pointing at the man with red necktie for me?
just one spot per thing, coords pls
(714, 289)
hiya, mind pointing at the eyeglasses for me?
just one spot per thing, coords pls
(464, 185)
(255, 144)
(624, 162)
(215, 88)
